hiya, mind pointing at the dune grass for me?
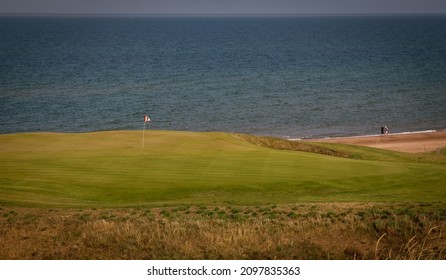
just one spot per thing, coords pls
(297, 231)
(110, 169)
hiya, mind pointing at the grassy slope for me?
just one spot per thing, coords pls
(299, 231)
(110, 169)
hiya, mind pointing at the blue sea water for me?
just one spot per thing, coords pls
(301, 76)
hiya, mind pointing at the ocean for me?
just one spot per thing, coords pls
(289, 76)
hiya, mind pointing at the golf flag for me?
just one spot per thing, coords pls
(146, 119)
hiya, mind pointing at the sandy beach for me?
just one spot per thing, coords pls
(417, 142)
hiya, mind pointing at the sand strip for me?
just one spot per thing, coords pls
(417, 142)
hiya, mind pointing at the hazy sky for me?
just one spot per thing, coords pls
(223, 6)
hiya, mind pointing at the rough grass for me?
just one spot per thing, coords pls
(282, 144)
(298, 231)
(109, 169)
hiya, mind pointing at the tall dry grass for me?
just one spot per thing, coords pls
(305, 231)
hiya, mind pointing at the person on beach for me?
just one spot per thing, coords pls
(386, 130)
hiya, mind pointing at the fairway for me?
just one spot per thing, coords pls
(110, 169)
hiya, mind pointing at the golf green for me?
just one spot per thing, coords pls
(111, 169)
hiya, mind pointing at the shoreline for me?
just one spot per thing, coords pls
(410, 142)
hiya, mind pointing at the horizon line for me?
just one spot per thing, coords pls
(221, 14)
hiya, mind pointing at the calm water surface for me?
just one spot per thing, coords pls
(282, 76)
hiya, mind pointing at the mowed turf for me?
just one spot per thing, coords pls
(110, 169)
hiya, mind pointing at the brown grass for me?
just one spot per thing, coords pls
(304, 231)
(282, 144)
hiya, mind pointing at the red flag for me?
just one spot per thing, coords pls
(146, 119)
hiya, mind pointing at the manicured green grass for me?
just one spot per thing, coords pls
(110, 169)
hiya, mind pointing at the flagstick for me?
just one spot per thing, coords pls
(143, 132)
